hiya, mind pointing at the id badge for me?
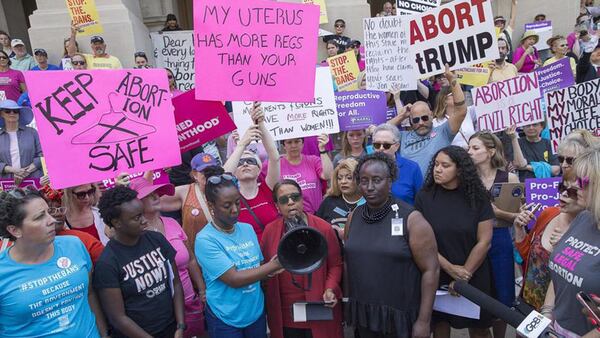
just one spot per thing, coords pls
(397, 227)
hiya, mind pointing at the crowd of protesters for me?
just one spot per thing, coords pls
(406, 208)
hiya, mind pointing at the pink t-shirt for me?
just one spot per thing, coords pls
(10, 81)
(529, 63)
(308, 176)
(571, 38)
(175, 235)
(311, 146)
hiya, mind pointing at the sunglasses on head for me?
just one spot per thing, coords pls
(247, 160)
(216, 180)
(83, 194)
(571, 192)
(285, 199)
(385, 146)
(417, 119)
(562, 159)
(78, 63)
(140, 54)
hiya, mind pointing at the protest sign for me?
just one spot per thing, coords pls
(2, 95)
(360, 109)
(387, 59)
(575, 107)
(85, 16)
(96, 124)
(9, 183)
(543, 191)
(555, 76)
(292, 120)
(158, 177)
(344, 69)
(198, 121)
(544, 30)
(510, 102)
(322, 7)
(459, 33)
(255, 50)
(415, 6)
(175, 50)
(476, 76)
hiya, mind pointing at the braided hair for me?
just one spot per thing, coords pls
(111, 200)
(12, 211)
(377, 157)
(211, 191)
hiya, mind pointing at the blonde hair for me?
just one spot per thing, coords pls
(348, 164)
(68, 199)
(346, 148)
(491, 141)
(584, 136)
(587, 166)
(575, 144)
(439, 111)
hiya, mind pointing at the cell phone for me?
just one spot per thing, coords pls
(590, 305)
(536, 207)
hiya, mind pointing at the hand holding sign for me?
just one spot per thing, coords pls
(252, 134)
(323, 141)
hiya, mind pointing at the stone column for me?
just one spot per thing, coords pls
(124, 30)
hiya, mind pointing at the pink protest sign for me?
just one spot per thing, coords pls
(158, 177)
(255, 50)
(199, 121)
(96, 124)
(9, 183)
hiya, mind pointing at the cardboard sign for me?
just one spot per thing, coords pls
(175, 50)
(159, 177)
(199, 122)
(96, 124)
(85, 15)
(575, 107)
(544, 30)
(344, 69)
(473, 76)
(555, 76)
(292, 120)
(387, 58)
(255, 50)
(360, 109)
(415, 6)
(459, 33)
(9, 183)
(322, 8)
(510, 102)
(543, 191)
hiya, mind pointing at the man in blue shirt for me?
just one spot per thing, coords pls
(41, 56)
(386, 139)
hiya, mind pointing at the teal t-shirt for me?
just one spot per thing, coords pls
(48, 299)
(216, 253)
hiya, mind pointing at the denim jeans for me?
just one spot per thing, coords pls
(218, 329)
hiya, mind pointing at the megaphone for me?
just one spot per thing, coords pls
(301, 251)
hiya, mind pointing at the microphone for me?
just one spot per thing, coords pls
(532, 326)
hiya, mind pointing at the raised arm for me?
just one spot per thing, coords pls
(458, 96)
(72, 47)
(519, 160)
(253, 133)
(325, 159)
(513, 14)
(274, 165)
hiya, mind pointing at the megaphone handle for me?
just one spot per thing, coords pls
(296, 284)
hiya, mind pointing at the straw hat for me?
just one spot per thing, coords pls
(529, 34)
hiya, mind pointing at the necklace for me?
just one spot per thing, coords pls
(229, 232)
(350, 205)
(373, 216)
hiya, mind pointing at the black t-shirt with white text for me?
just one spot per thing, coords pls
(540, 151)
(144, 275)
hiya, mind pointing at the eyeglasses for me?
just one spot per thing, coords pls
(216, 180)
(569, 160)
(339, 26)
(583, 182)
(423, 118)
(385, 146)
(57, 211)
(78, 63)
(285, 199)
(3, 58)
(83, 194)
(139, 54)
(11, 111)
(247, 160)
(571, 192)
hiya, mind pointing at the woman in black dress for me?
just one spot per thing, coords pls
(456, 204)
(394, 297)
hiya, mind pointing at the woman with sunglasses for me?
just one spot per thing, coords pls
(257, 208)
(12, 82)
(444, 107)
(570, 147)
(45, 281)
(354, 145)
(141, 60)
(82, 213)
(284, 290)
(391, 233)
(173, 83)
(78, 61)
(229, 255)
(575, 261)
(560, 48)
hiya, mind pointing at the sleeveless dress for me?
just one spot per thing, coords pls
(192, 215)
(376, 302)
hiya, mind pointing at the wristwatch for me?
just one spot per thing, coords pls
(181, 326)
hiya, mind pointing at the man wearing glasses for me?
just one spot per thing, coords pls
(41, 56)
(338, 37)
(100, 59)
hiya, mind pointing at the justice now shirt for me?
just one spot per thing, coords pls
(144, 275)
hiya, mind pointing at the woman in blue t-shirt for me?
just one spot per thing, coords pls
(230, 257)
(44, 280)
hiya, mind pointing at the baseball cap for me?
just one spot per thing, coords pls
(40, 51)
(144, 188)
(17, 42)
(203, 160)
(499, 18)
(96, 38)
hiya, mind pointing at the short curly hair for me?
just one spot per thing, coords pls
(111, 200)
(380, 157)
(12, 209)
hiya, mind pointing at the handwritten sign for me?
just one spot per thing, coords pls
(96, 124)
(344, 69)
(158, 177)
(293, 120)
(475, 76)
(555, 76)
(459, 33)
(575, 107)
(175, 50)
(544, 30)
(9, 183)
(198, 121)
(322, 7)
(360, 109)
(515, 101)
(543, 191)
(387, 59)
(416, 6)
(85, 15)
(255, 50)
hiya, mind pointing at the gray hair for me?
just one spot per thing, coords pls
(388, 127)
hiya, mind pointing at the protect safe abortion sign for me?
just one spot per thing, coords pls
(460, 33)
(96, 124)
(255, 50)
